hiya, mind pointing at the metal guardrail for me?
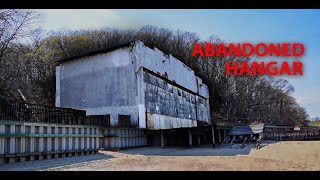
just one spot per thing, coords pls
(20, 111)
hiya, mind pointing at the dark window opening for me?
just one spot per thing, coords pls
(99, 120)
(124, 120)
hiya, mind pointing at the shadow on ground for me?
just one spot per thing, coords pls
(105, 156)
(265, 143)
(54, 163)
(195, 151)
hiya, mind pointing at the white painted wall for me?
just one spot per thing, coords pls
(100, 84)
(112, 83)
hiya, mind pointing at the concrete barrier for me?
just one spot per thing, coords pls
(290, 136)
(123, 137)
(27, 141)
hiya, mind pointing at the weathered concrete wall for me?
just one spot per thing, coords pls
(22, 141)
(58, 86)
(100, 84)
(161, 100)
(168, 106)
(166, 99)
(156, 61)
(203, 109)
(141, 98)
(113, 83)
(157, 122)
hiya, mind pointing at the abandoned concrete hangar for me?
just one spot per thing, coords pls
(139, 88)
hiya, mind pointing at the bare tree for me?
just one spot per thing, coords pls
(242, 98)
(14, 24)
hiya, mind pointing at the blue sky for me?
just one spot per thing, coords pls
(230, 25)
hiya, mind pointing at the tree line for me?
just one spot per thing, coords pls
(28, 68)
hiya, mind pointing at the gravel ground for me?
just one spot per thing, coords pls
(54, 163)
(293, 155)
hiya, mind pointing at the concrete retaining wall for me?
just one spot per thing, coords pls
(25, 141)
(293, 136)
(120, 138)
(287, 133)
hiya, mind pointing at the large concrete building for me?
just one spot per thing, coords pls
(137, 86)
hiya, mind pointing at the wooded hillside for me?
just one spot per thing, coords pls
(30, 67)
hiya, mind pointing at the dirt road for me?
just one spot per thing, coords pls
(292, 155)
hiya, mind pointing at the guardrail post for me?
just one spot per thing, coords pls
(19, 111)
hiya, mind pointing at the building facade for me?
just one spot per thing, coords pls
(133, 82)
